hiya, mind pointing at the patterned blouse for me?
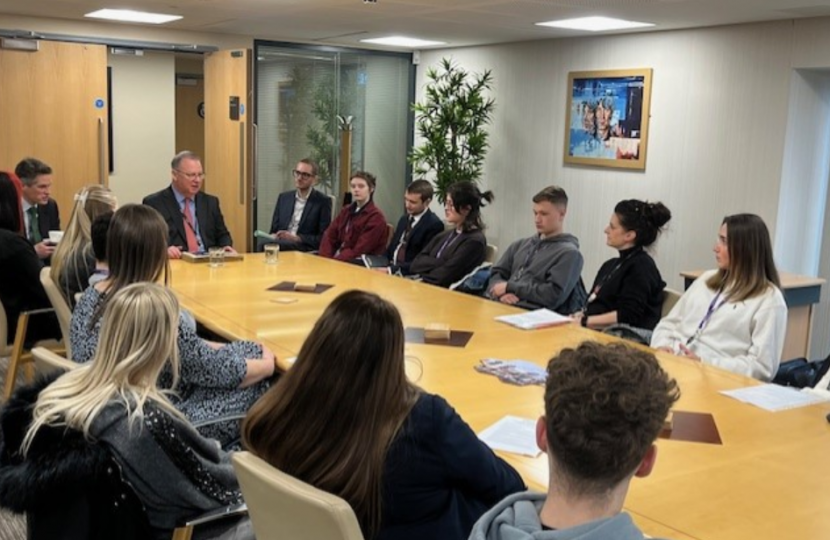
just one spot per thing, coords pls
(209, 378)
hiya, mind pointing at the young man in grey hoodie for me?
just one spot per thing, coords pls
(544, 269)
(604, 407)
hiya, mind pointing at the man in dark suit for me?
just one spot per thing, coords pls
(40, 212)
(193, 218)
(301, 215)
(415, 228)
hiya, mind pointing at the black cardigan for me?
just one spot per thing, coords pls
(632, 286)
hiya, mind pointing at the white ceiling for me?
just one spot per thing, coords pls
(457, 22)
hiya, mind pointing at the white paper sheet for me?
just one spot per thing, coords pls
(512, 434)
(539, 318)
(773, 397)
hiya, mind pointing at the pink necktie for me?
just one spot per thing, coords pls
(189, 229)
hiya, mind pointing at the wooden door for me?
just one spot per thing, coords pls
(54, 104)
(228, 134)
(190, 122)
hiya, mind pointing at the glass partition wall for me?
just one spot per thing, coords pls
(347, 109)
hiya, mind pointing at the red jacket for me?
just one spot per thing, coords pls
(364, 233)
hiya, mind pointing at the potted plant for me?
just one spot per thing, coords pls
(452, 122)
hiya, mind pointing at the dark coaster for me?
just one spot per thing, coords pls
(288, 286)
(458, 338)
(693, 427)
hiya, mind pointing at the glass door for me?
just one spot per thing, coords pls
(345, 109)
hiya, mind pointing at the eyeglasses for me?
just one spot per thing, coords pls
(191, 175)
(303, 174)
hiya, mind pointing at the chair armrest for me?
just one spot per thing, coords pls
(185, 532)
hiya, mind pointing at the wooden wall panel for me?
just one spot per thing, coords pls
(47, 104)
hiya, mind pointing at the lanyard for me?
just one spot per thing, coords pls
(529, 259)
(448, 242)
(714, 305)
(598, 287)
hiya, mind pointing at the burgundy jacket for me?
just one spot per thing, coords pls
(363, 233)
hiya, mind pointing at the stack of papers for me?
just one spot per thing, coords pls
(539, 318)
(772, 397)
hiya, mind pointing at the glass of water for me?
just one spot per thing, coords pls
(272, 253)
(217, 257)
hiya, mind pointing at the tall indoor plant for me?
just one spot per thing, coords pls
(451, 122)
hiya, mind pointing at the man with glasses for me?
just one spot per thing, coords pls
(193, 218)
(301, 215)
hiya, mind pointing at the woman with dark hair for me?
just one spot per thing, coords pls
(360, 228)
(454, 253)
(629, 289)
(20, 288)
(734, 317)
(216, 380)
(403, 459)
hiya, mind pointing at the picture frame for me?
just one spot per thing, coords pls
(607, 118)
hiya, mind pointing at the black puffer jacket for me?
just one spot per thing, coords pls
(69, 487)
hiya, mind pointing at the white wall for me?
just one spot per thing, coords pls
(143, 122)
(721, 100)
(803, 192)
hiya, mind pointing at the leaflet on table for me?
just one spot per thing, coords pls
(512, 434)
(531, 320)
(518, 372)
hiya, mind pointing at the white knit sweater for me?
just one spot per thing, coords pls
(744, 337)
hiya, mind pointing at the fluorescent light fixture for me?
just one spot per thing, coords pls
(403, 41)
(594, 24)
(128, 15)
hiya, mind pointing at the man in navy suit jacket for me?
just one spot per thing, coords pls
(301, 215)
(194, 219)
(415, 228)
(40, 212)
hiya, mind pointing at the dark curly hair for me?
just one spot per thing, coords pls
(604, 407)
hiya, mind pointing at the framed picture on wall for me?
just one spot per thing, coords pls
(607, 118)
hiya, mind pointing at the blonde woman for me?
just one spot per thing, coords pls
(111, 409)
(73, 261)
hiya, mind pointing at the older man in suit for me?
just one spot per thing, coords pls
(302, 214)
(40, 212)
(194, 219)
(415, 228)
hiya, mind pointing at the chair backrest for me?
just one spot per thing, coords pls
(5, 346)
(59, 303)
(491, 254)
(282, 507)
(47, 361)
(670, 298)
(390, 232)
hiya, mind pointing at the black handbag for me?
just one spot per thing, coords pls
(801, 373)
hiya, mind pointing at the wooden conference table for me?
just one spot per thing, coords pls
(767, 480)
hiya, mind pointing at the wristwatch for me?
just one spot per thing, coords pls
(584, 321)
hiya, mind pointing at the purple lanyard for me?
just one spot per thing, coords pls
(714, 305)
(447, 243)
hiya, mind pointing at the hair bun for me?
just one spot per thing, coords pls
(657, 213)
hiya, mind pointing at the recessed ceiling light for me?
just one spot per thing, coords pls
(128, 15)
(403, 41)
(594, 24)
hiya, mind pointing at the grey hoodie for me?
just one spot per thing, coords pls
(542, 273)
(517, 518)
